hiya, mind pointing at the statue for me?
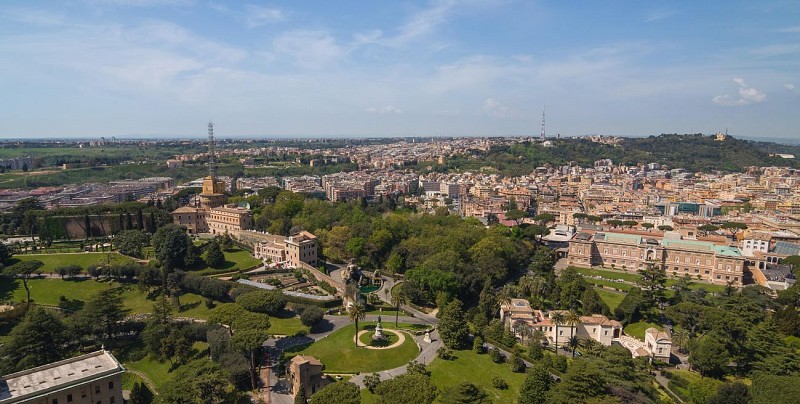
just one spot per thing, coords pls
(427, 337)
(378, 335)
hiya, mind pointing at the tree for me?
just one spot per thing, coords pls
(629, 223)
(215, 258)
(707, 228)
(301, 398)
(733, 227)
(356, 312)
(200, 381)
(615, 223)
(573, 320)
(647, 226)
(171, 244)
(339, 392)
(5, 255)
(665, 227)
(40, 338)
(68, 270)
(557, 318)
(653, 282)
(24, 270)
(131, 242)
(464, 392)
(517, 364)
(731, 393)
(544, 218)
(453, 326)
(140, 394)
(102, 314)
(573, 343)
(583, 380)
(710, 355)
(536, 385)
(263, 301)
(408, 388)
(311, 315)
(399, 298)
(372, 382)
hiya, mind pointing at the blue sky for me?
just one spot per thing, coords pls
(380, 68)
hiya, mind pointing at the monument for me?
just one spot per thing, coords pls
(378, 335)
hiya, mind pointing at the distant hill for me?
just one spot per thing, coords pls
(691, 152)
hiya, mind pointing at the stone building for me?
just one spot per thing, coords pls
(93, 378)
(306, 371)
(212, 215)
(298, 248)
(704, 260)
(658, 344)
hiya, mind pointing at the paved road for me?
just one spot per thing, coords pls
(278, 389)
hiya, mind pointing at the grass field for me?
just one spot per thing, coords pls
(632, 276)
(448, 374)
(339, 354)
(162, 373)
(53, 261)
(612, 299)
(637, 329)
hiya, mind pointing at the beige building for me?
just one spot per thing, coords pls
(94, 378)
(212, 216)
(597, 326)
(704, 260)
(292, 250)
(306, 371)
(658, 344)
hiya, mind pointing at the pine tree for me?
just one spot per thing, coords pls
(453, 326)
(214, 256)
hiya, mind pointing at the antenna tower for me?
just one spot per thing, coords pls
(212, 164)
(543, 136)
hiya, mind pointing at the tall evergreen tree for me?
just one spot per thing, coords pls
(534, 388)
(453, 326)
(40, 338)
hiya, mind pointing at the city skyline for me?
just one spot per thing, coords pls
(131, 68)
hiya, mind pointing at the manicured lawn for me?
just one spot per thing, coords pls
(53, 261)
(611, 284)
(637, 329)
(48, 291)
(630, 276)
(478, 370)
(161, 373)
(235, 260)
(286, 326)
(612, 299)
(339, 354)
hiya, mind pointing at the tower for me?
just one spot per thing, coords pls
(543, 136)
(212, 168)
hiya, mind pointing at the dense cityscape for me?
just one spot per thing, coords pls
(417, 201)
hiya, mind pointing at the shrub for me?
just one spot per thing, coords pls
(499, 383)
(477, 345)
(311, 315)
(444, 353)
(517, 364)
(497, 356)
(263, 301)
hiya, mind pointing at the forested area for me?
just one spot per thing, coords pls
(697, 153)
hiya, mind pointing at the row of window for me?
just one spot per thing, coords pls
(112, 399)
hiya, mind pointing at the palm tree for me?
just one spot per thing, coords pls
(398, 299)
(536, 337)
(573, 343)
(681, 336)
(519, 327)
(356, 312)
(590, 347)
(558, 319)
(572, 319)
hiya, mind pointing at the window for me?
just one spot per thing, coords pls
(111, 385)
(97, 389)
(55, 401)
(69, 398)
(112, 400)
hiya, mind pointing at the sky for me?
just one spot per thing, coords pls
(128, 68)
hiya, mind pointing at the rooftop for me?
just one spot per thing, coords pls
(33, 383)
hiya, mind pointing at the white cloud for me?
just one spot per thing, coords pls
(257, 16)
(309, 49)
(386, 109)
(790, 30)
(747, 95)
(659, 15)
(495, 108)
(421, 24)
(32, 16)
(790, 87)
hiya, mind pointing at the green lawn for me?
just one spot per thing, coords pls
(48, 291)
(637, 329)
(162, 373)
(235, 260)
(611, 284)
(465, 368)
(612, 299)
(53, 261)
(339, 354)
(286, 326)
(630, 276)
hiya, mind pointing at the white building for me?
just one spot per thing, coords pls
(658, 344)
